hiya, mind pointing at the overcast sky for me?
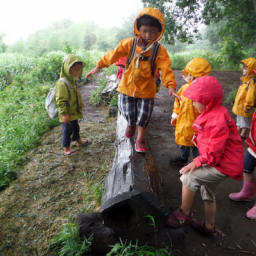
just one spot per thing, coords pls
(19, 18)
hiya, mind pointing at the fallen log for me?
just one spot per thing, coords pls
(132, 204)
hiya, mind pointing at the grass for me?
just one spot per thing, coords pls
(69, 242)
(130, 249)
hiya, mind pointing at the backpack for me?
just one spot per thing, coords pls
(50, 102)
(151, 59)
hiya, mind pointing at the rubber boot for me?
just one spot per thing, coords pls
(251, 214)
(247, 192)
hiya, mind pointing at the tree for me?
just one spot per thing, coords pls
(182, 18)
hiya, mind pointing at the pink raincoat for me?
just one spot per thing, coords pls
(216, 137)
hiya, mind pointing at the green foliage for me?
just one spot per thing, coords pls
(124, 249)
(69, 242)
(25, 82)
(96, 98)
(48, 66)
(114, 100)
(231, 96)
(232, 52)
(152, 220)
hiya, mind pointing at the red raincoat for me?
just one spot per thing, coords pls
(216, 137)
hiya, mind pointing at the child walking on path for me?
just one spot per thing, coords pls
(137, 88)
(221, 155)
(184, 114)
(249, 183)
(245, 98)
(69, 102)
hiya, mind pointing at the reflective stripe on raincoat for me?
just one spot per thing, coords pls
(246, 95)
(137, 80)
(69, 102)
(217, 138)
(186, 113)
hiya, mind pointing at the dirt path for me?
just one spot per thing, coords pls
(240, 232)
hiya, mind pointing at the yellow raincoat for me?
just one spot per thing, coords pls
(183, 110)
(246, 95)
(137, 80)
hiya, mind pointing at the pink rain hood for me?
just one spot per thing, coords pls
(217, 138)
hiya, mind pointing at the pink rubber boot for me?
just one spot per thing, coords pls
(251, 214)
(246, 193)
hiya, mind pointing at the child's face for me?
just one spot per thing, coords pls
(188, 78)
(199, 106)
(148, 34)
(245, 70)
(76, 70)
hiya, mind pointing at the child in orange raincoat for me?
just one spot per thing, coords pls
(245, 98)
(184, 114)
(137, 88)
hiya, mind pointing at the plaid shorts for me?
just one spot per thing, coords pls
(135, 110)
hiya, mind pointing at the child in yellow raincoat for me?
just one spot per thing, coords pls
(245, 98)
(137, 88)
(184, 113)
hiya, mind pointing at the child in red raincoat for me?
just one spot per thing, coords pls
(221, 155)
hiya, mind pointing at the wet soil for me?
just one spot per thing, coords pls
(53, 188)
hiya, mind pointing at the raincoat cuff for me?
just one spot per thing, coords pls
(197, 161)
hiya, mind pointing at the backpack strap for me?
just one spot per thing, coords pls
(66, 82)
(132, 53)
(153, 57)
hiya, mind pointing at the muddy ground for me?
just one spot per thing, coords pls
(52, 188)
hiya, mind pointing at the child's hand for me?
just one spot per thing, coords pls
(66, 119)
(188, 168)
(246, 110)
(173, 121)
(172, 91)
(92, 72)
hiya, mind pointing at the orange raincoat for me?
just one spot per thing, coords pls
(246, 95)
(183, 110)
(137, 80)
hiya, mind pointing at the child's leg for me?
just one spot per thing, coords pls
(209, 213)
(243, 132)
(76, 130)
(141, 133)
(188, 197)
(184, 152)
(127, 107)
(144, 111)
(67, 130)
(249, 183)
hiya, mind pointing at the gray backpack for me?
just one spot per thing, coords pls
(50, 102)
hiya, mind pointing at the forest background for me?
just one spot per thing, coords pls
(222, 31)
